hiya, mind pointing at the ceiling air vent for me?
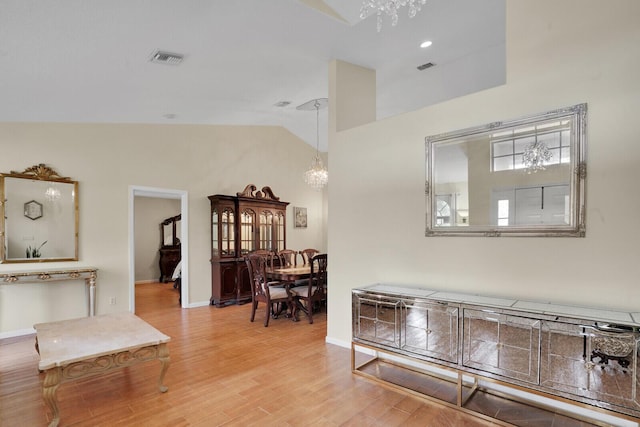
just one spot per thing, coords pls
(425, 66)
(166, 58)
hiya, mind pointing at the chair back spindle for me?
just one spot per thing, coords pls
(307, 254)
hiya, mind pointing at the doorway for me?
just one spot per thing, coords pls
(137, 191)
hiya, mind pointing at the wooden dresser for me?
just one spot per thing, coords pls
(170, 249)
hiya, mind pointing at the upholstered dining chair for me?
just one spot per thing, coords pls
(316, 288)
(287, 258)
(272, 294)
(307, 254)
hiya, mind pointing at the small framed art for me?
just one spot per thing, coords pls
(299, 217)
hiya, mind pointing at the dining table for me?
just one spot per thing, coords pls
(288, 276)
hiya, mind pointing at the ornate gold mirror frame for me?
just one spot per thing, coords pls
(39, 216)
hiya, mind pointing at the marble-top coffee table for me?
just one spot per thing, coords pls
(71, 349)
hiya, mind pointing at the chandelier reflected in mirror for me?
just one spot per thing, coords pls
(52, 193)
(535, 156)
(389, 7)
(317, 175)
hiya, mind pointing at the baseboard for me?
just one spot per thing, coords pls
(17, 333)
(340, 343)
(198, 304)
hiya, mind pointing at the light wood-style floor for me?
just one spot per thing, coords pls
(224, 371)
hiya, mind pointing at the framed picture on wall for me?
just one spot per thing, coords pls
(299, 217)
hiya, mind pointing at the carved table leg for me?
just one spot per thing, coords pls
(163, 356)
(292, 303)
(49, 387)
(91, 281)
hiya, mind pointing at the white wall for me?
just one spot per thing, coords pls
(559, 53)
(108, 159)
(149, 213)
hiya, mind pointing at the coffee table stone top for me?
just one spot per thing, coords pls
(67, 341)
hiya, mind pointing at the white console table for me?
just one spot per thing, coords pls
(578, 355)
(88, 274)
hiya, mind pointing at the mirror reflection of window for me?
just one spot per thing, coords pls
(548, 204)
(443, 210)
(508, 147)
(503, 212)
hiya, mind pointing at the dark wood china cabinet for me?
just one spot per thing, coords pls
(240, 224)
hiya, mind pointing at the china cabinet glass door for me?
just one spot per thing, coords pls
(266, 231)
(247, 231)
(279, 231)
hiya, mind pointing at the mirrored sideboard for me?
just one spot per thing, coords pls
(582, 356)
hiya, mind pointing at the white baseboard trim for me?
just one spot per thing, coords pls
(340, 343)
(198, 304)
(17, 333)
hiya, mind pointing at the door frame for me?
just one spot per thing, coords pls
(161, 193)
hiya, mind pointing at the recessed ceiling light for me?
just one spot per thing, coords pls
(426, 43)
(282, 104)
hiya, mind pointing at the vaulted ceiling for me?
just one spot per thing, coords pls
(89, 60)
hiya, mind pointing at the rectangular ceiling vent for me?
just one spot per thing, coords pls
(425, 66)
(166, 58)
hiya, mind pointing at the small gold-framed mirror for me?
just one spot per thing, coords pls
(39, 221)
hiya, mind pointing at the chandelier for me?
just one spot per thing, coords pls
(317, 175)
(52, 193)
(390, 7)
(535, 156)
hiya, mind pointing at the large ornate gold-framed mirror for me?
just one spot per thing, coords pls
(522, 177)
(39, 221)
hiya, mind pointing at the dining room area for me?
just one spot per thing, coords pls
(286, 287)
(251, 261)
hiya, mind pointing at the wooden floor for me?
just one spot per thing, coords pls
(224, 371)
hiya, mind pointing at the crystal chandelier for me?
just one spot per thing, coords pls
(535, 156)
(317, 175)
(390, 7)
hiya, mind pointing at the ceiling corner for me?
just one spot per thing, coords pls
(322, 6)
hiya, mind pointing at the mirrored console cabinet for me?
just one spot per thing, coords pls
(249, 221)
(582, 356)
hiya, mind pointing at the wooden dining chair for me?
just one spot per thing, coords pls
(307, 254)
(272, 294)
(269, 256)
(287, 258)
(316, 289)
